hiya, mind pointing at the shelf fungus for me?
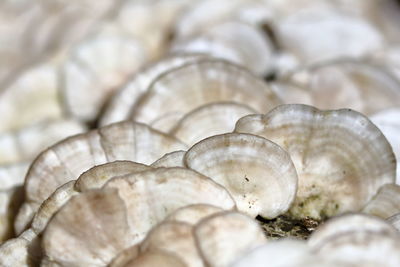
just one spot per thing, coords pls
(339, 148)
(123, 211)
(258, 173)
(203, 82)
(208, 120)
(121, 103)
(385, 203)
(68, 159)
(370, 241)
(98, 66)
(344, 83)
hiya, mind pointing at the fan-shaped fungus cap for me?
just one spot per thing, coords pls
(192, 214)
(121, 103)
(203, 82)
(385, 203)
(175, 238)
(234, 41)
(173, 159)
(96, 67)
(89, 230)
(208, 120)
(224, 237)
(341, 158)
(348, 84)
(258, 173)
(68, 159)
(370, 241)
(141, 201)
(150, 196)
(282, 253)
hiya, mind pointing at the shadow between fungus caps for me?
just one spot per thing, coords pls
(287, 226)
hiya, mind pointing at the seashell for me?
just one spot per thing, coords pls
(199, 83)
(341, 148)
(388, 122)
(385, 203)
(339, 35)
(31, 98)
(193, 214)
(120, 105)
(209, 120)
(173, 159)
(360, 236)
(238, 42)
(26, 143)
(117, 205)
(176, 238)
(69, 158)
(284, 252)
(348, 84)
(224, 237)
(98, 66)
(258, 173)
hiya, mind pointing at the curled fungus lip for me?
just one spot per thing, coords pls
(341, 148)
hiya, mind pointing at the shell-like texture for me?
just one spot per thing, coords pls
(224, 237)
(258, 173)
(234, 41)
(132, 204)
(203, 82)
(341, 158)
(26, 143)
(339, 35)
(151, 196)
(209, 120)
(386, 202)
(388, 122)
(370, 241)
(282, 253)
(122, 102)
(193, 214)
(153, 22)
(97, 176)
(348, 84)
(87, 231)
(96, 68)
(68, 159)
(94, 178)
(173, 159)
(31, 98)
(176, 238)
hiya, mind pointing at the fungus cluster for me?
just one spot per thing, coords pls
(184, 133)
